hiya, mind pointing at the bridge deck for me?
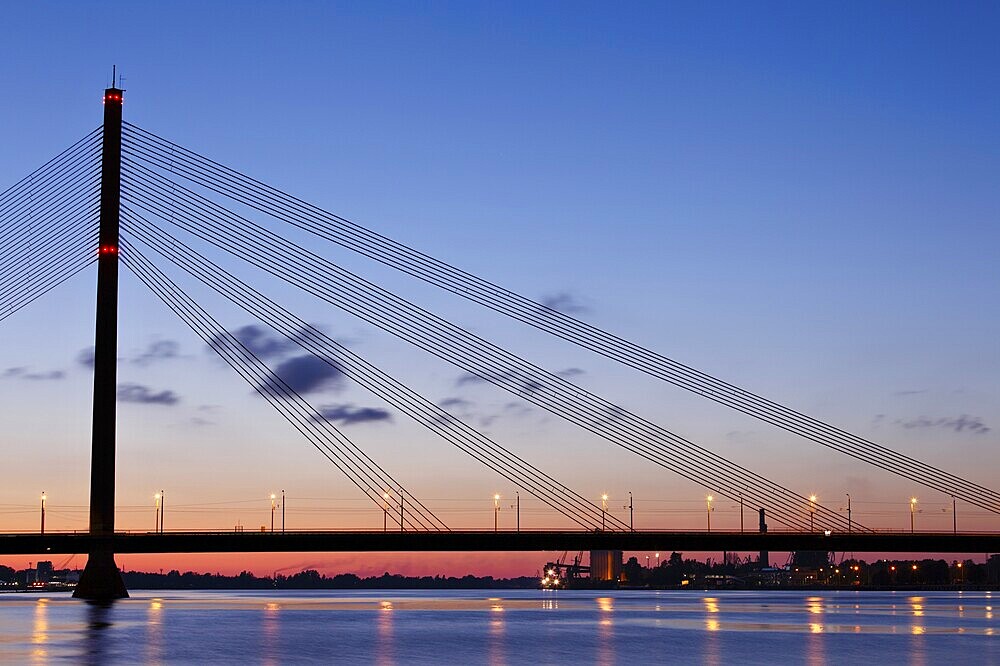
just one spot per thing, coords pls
(354, 541)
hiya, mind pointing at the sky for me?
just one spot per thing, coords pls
(799, 199)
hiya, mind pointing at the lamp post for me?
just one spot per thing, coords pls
(848, 513)
(496, 512)
(273, 504)
(44, 497)
(517, 503)
(282, 511)
(657, 560)
(631, 515)
(708, 505)
(604, 510)
(913, 509)
(385, 511)
(163, 508)
(741, 513)
(156, 502)
(401, 528)
(812, 511)
(954, 517)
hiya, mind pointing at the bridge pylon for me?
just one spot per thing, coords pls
(101, 579)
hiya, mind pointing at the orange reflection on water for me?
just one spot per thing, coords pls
(270, 629)
(383, 633)
(917, 604)
(40, 632)
(154, 631)
(605, 631)
(498, 629)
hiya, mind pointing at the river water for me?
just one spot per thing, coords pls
(505, 627)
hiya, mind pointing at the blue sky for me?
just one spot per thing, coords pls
(798, 198)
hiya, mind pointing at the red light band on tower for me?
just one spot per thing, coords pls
(107, 249)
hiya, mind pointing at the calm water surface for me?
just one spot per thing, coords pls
(499, 627)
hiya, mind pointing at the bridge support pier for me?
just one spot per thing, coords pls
(101, 580)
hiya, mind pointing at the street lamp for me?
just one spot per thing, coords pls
(631, 515)
(954, 516)
(163, 508)
(273, 505)
(604, 510)
(913, 509)
(385, 511)
(848, 512)
(812, 511)
(517, 503)
(708, 505)
(496, 512)
(741, 513)
(156, 503)
(657, 560)
(44, 497)
(282, 511)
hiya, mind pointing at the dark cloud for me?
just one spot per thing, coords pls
(309, 374)
(140, 394)
(564, 302)
(904, 393)
(86, 357)
(262, 341)
(351, 415)
(25, 373)
(570, 373)
(161, 350)
(963, 423)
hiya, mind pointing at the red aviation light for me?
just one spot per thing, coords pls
(107, 249)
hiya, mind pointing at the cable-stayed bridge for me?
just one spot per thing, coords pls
(123, 195)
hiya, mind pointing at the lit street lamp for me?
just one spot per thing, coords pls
(273, 505)
(385, 511)
(657, 560)
(156, 503)
(812, 511)
(496, 512)
(913, 509)
(44, 497)
(708, 504)
(604, 510)
(282, 511)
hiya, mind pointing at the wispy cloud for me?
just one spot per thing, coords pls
(32, 376)
(143, 395)
(564, 302)
(570, 373)
(912, 392)
(160, 350)
(963, 423)
(455, 403)
(263, 342)
(348, 414)
(85, 357)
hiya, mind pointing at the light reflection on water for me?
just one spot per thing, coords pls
(501, 627)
